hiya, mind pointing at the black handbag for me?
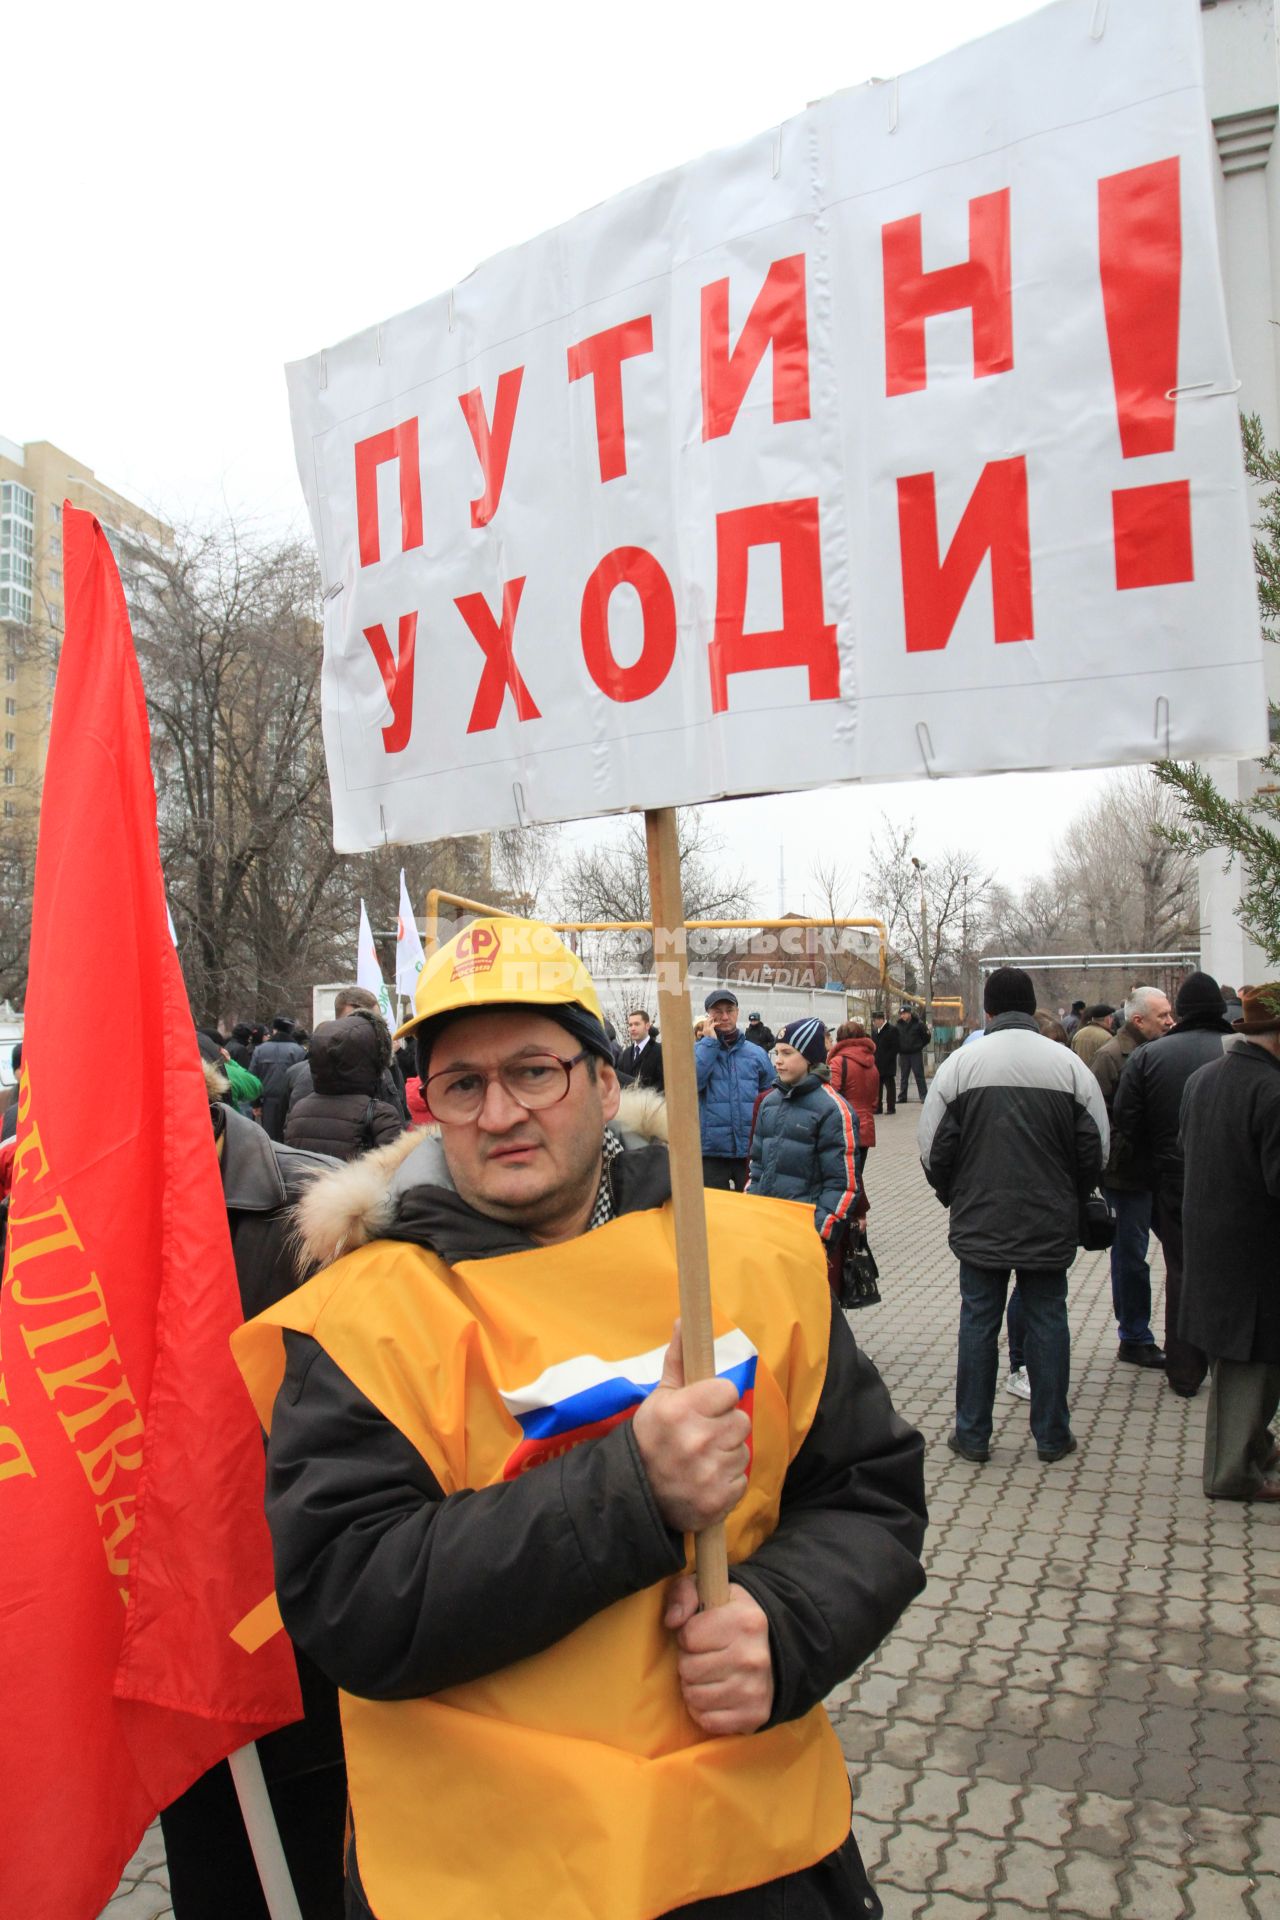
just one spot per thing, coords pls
(1097, 1222)
(859, 1274)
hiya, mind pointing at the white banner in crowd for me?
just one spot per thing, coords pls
(368, 971)
(901, 440)
(409, 954)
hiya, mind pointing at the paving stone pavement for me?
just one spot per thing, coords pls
(1080, 1716)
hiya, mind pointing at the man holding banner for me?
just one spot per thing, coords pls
(484, 1462)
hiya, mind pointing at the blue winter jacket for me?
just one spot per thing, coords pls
(805, 1141)
(729, 1078)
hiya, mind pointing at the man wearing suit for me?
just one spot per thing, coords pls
(640, 1063)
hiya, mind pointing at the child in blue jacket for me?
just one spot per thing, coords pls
(806, 1137)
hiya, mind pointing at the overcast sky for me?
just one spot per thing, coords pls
(195, 195)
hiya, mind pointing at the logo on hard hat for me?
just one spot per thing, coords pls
(475, 951)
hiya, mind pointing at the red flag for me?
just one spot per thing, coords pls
(133, 1539)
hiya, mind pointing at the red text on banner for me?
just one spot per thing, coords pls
(777, 319)
(804, 638)
(633, 567)
(601, 356)
(397, 678)
(982, 283)
(496, 639)
(492, 442)
(1140, 264)
(994, 522)
(397, 443)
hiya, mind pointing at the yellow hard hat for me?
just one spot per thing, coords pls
(505, 962)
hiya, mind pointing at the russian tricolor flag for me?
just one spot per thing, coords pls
(579, 1398)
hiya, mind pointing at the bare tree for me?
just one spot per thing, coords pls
(17, 879)
(849, 951)
(1120, 883)
(610, 881)
(227, 632)
(957, 888)
(1126, 884)
(526, 862)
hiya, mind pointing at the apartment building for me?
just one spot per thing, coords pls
(34, 481)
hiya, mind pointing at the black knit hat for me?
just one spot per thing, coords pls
(808, 1036)
(1008, 990)
(1199, 993)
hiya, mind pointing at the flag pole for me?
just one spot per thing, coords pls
(684, 1130)
(264, 1835)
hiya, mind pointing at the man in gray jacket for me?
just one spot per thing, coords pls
(1013, 1135)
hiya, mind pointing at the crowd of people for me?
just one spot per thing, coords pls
(484, 1461)
(1173, 1114)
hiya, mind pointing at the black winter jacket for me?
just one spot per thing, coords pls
(888, 1046)
(913, 1035)
(343, 1116)
(390, 1087)
(1231, 1211)
(1147, 1111)
(1013, 1133)
(398, 1591)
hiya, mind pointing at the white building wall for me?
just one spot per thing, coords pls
(1242, 74)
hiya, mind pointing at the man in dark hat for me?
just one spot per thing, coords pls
(731, 1071)
(887, 1044)
(1145, 1116)
(1012, 1135)
(1231, 1222)
(759, 1035)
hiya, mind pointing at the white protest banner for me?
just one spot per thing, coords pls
(409, 954)
(900, 440)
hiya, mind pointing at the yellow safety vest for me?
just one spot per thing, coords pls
(573, 1783)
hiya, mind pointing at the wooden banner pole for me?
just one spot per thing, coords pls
(675, 1027)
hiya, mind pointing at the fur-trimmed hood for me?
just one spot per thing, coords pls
(365, 1200)
(216, 1083)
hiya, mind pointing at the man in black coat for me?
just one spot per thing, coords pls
(1231, 1218)
(913, 1038)
(759, 1035)
(640, 1063)
(1145, 1116)
(887, 1045)
(271, 1063)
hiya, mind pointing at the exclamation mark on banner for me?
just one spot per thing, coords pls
(1140, 259)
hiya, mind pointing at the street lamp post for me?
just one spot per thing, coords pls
(919, 866)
